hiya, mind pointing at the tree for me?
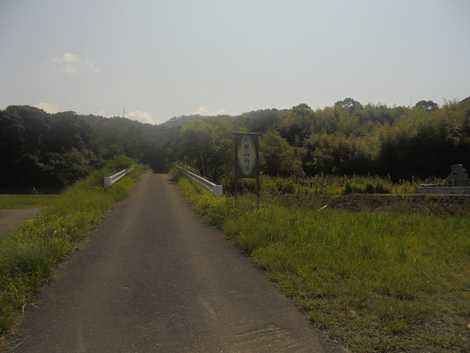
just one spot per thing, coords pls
(278, 157)
(50, 151)
(349, 105)
(428, 106)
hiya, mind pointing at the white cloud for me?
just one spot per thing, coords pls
(48, 107)
(70, 58)
(203, 110)
(143, 117)
(72, 63)
(93, 67)
(68, 63)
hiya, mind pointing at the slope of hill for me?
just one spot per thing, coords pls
(178, 121)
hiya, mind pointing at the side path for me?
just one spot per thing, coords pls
(153, 278)
(12, 218)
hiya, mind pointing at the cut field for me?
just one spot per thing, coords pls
(15, 201)
(438, 205)
(380, 281)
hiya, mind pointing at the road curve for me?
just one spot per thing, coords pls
(154, 278)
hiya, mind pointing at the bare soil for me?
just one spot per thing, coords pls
(12, 218)
(443, 205)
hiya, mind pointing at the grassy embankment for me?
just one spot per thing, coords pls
(379, 281)
(28, 254)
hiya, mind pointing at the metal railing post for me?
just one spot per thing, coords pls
(209, 185)
(110, 180)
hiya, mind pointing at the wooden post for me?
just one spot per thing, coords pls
(258, 185)
(235, 167)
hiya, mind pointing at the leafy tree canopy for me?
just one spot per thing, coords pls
(49, 151)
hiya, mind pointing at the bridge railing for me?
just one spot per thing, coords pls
(209, 185)
(110, 180)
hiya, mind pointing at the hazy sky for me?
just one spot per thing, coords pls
(162, 58)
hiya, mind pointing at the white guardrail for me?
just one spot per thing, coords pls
(209, 185)
(445, 190)
(110, 180)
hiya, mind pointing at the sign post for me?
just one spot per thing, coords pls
(246, 159)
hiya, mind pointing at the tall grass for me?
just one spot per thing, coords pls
(331, 185)
(379, 281)
(28, 255)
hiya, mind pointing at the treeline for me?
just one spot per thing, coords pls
(48, 151)
(38, 151)
(44, 152)
(346, 139)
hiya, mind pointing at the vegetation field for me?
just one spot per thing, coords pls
(378, 281)
(337, 185)
(28, 255)
(331, 185)
(356, 193)
(26, 201)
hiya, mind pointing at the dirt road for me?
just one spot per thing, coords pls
(10, 219)
(154, 278)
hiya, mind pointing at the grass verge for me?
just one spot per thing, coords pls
(28, 255)
(378, 281)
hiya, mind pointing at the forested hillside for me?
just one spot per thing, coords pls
(48, 151)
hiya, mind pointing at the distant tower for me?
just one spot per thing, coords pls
(123, 112)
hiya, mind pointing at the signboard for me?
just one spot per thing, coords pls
(246, 158)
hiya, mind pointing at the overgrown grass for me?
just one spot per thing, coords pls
(332, 185)
(25, 201)
(379, 281)
(28, 255)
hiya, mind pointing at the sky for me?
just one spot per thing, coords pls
(155, 59)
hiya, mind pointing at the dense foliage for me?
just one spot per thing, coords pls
(41, 150)
(346, 139)
(46, 152)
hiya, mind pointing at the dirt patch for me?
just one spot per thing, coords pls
(12, 218)
(434, 204)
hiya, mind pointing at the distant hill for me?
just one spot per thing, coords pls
(178, 121)
(465, 103)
